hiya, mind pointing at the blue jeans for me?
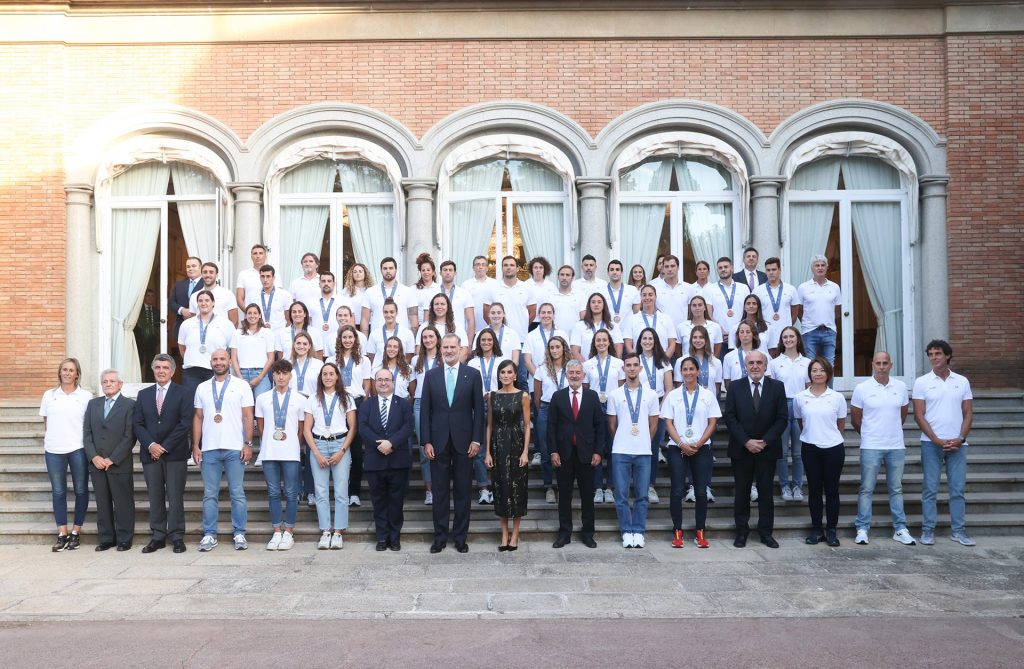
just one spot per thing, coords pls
(322, 482)
(274, 471)
(635, 469)
(546, 470)
(932, 460)
(424, 462)
(656, 441)
(821, 341)
(483, 479)
(250, 373)
(791, 449)
(871, 460)
(57, 465)
(218, 462)
(522, 374)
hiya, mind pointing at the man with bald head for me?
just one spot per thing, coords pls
(756, 413)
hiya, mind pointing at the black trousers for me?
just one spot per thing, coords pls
(823, 467)
(747, 470)
(165, 485)
(387, 493)
(451, 474)
(700, 466)
(583, 474)
(115, 506)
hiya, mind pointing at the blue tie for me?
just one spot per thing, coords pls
(450, 385)
(106, 407)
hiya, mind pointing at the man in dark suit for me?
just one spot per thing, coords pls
(109, 441)
(756, 413)
(182, 291)
(452, 427)
(386, 424)
(750, 276)
(163, 419)
(577, 437)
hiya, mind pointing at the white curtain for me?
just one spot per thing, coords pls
(862, 173)
(302, 227)
(701, 175)
(471, 222)
(372, 228)
(198, 219)
(542, 226)
(362, 177)
(641, 225)
(876, 227)
(709, 228)
(809, 226)
(527, 175)
(821, 174)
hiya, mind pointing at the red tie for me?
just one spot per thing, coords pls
(575, 412)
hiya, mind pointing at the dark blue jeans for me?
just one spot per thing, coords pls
(57, 465)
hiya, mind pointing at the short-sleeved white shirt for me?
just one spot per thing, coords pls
(673, 300)
(360, 372)
(478, 364)
(508, 339)
(305, 290)
(674, 408)
(792, 373)
(625, 441)
(461, 300)
(583, 334)
(536, 343)
(567, 308)
(252, 349)
(358, 302)
(734, 367)
(820, 304)
(686, 327)
(284, 337)
(401, 383)
(404, 296)
(612, 378)
(647, 365)
(276, 305)
(630, 298)
(549, 386)
(227, 434)
(480, 294)
(223, 301)
(219, 333)
(306, 384)
(787, 299)
(541, 291)
(331, 344)
(943, 402)
(819, 415)
(418, 377)
(322, 306)
(721, 297)
(339, 419)
(65, 418)
(379, 335)
(588, 288)
(442, 330)
(714, 372)
(270, 448)
(660, 322)
(516, 299)
(249, 282)
(881, 425)
(424, 296)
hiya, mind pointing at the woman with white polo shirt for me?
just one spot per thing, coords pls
(709, 376)
(355, 375)
(252, 351)
(549, 378)
(597, 316)
(696, 312)
(822, 415)
(603, 372)
(657, 376)
(305, 371)
(298, 321)
(790, 367)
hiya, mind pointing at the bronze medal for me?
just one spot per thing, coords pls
(729, 313)
(776, 316)
(217, 418)
(279, 435)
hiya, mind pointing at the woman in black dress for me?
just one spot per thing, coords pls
(508, 440)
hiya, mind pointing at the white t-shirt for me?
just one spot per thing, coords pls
(762, 339)
(647, 368)
(567, 308)
(673, 300)
(722, 297)
(508, 339)
(490, 380)
(331, 348)
(326, 311)
(787, 299)
(443, 330)
(630, 297)
(714, 373)
(249, 281)
(611, 368)
(305, 383)
(404, 296)
(401, 383)
(306, 290)
(273, 307)
(660, 322)
(819, 415)
(219, 333)
(588, 288)
(461, 300)
(360, 372)
(358, 301)
(65, 418)
(424, 296)
(418, 377)
(284, 337)
(536, 343)
(480, 294)
(339, 419)
(252, 349)
(943, 402)
(674, 408)
(223, 301)
(625, 441)
(271, 448)
(583, 335)
(686, 327)
(227, 434)
(378, 336)
(549, 386)
(541, 291)
(881, 426)
(793, 373)
(820, 304)
(516, 299)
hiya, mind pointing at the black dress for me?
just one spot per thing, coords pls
(506, 447)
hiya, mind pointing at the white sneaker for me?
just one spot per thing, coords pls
(652, 495)
(798, 495)
(287, 541)
(337, 542)
(627, 540)
(904, 537)
(191, 461)
(598, 496)
(535, 460)
(963, 538)
(275, 542)
(311, 500)
(428, 499)
(208, 543)
(862, 537)
(753, 493)
(240, 543)
(690, 495)
(638, 541)
(483, 497)
(661, 457)
(490, 497)
(609, 496)
(711, 497)
(325, 541)
(354, 501)
(549, 496)
(787, 494)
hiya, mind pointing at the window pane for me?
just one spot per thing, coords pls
(700, 174)
(362, 177)
(529, 175)
(709, 230)
(479, 177)
(818, 175)
(316, 176)
(653, 175)
(860, 172)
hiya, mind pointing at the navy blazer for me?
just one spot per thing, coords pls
(398, 431)
(111, 437)
(171, 428)
(768, 422)
(178, 299)
(741, 277)
(590, 427)
(463, 422)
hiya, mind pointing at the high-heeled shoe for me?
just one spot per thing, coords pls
(502, 549)
(512, 548)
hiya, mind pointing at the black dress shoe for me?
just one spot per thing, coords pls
(382, 546)
(179, 546)
(438, 546)
(462, 548)
(769, 541)
(103, 547)
(561, 541)
(589, 542)
(502, 548)
(831, 539)
(815, 537)
(153, 546)
(741, 540)
(395, 545)
(124, 546)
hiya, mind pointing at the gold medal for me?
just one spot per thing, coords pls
(776, 316)
(279, 435)
(217, 418)
(636, 430)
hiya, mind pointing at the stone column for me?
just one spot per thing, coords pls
(419, 225)
(764, 215)
(248, 223)
(81, 297)
(594, 234)
(933, 299)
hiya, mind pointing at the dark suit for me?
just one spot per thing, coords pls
(450, 430)
(112, 437)
(767, 423)
(589, 430)
(741, 277)
(165, 478)
(388, 475)
(179, 300)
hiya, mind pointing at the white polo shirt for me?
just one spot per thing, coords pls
(490, 381)
(625, 442)
(65, 418)
(418, 377)
(686, 327)
(819, 415)
(219, 334)
(541, 291)
(249, 281)
(734, 365)
(787, 296)
(674, 409)
(331, 344)
(792, 373)
(424, 296)
(401, 383)
(480, 294)
(378, 336)
(339, 419)
(820, 304)
(276, 305)
(881, 426)
(673, 300)
(252, 349)
(326, 311)
(461, 300)
(360, 371)
(270, 448)
(583, 334)
(284, 337)
(613, 376)
(714, 366)
(508, 339)
(549, 386)
(648, 367)
(725, 299)
(567, 308)
(536, 343)
(404, 296)
(628, 298)
(223, 301)
(305, 375)
(588, 288)
(306, 290)
(943, 402)
(227, 434)
(442, 330)
(660, 322)
(516, 299)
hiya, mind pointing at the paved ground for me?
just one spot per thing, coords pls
(796, 606)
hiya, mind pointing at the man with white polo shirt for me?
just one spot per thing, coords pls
(461, 300)
(779, 303)
(323, 312)
(479, 288)
(225, 303)
(273, 300)
(566, 300)
(727, 302)
(944, 410)
(306, 288)
(623, 299)
(878, 409)
(588, 283)
(673, 293)
(248, 285)
(222, 445)
(819, 301)
(520, 302)
(389, 288)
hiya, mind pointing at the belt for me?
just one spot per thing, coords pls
(333, 437)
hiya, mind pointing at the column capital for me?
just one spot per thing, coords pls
(593, 187)
(766, 185)
(933, 185)
(78, 193)
(419, 189)
(249, 191)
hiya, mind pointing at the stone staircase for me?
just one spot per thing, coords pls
(995, 490)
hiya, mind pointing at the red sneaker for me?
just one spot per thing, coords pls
(700, 540)
(677, 542)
